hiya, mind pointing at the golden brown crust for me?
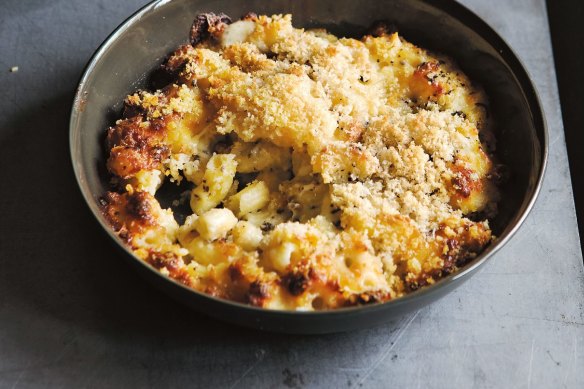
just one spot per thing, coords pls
(326, 172)
(129, 215)
(135, 145)
(172, 263)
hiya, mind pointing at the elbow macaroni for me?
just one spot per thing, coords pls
(250, 199)
(216, 183)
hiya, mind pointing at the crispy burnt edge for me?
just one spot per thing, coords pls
(172, 263)
(366, 298)
(133, 147)
(137, 146)
(135, 142)
(208, 25)
(461, 250)
(127, 214)
(462, 182)
(303, 278)
(130, 214)
(296, 282)
(248, 288)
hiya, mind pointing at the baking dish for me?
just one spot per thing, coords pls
(126, 60)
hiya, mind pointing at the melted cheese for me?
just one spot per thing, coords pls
(327, 172)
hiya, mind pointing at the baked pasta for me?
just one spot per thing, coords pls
(322, 172)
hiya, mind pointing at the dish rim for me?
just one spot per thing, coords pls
(451, 7)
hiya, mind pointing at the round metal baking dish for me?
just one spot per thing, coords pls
(126, 59)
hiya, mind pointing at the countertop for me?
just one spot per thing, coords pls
(73, 314)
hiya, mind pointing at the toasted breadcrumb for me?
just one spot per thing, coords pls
(327, 171)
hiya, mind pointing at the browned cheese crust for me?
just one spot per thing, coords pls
(325, 172)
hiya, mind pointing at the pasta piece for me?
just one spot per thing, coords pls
(246, 235)
(253, 197)
(215, 223)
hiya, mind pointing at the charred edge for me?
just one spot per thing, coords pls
(258, 294)
(412, 286)
(206, 25)
(131, 147)
(450, 257)
(381, 28)
(177, 61)
(251, 16)
(172, 263)
(160, 260)
(111, 213)
(235, 272)
(131, 111)
(463, 184)
(296, 283)
(368, 298)
(114, 206)
(458, 256)
(459, 113)
(139, 208)
(125, 133)
(267, 227)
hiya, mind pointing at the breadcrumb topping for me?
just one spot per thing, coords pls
(325, 171)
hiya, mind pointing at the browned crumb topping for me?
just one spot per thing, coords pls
(327, 171)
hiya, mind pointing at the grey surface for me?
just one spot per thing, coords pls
(72, 314)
